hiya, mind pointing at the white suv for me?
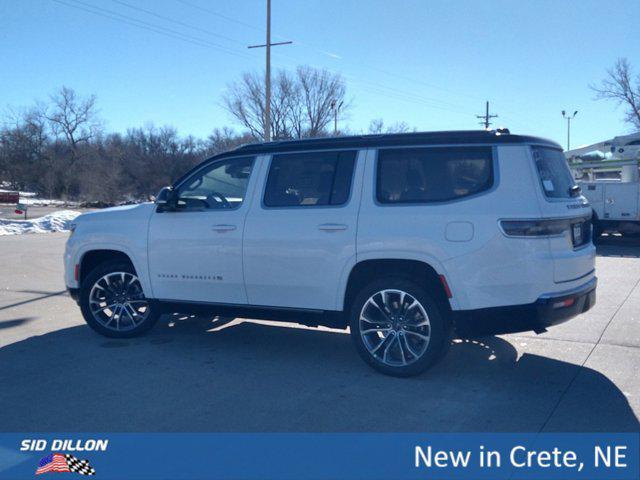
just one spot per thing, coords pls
(399, 237)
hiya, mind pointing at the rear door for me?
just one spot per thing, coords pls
(300, 235)
(572, 251)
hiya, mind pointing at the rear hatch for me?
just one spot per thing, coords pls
(570, 245)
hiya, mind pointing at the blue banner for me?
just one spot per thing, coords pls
(323, 455)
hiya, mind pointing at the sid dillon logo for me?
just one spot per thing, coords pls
(57, 462)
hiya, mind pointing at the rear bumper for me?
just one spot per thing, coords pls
(559, 307)
(548, 310)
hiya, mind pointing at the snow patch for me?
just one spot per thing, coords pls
(54, 222)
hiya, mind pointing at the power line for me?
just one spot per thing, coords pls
(365, 85)
(368, 66)
(230, 19)
(324, 52)
(433, 102)
(177, 22)
(378, 88)
(148, 26)
(372, 88)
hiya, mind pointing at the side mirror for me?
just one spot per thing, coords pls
(167, 199)
(575, 191)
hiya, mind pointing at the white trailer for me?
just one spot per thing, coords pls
(613, 189)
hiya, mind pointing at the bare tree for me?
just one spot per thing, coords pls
(320, 90)
(619, 86)
(301, 103)
(376, 126)
(224, 139)
(244, 100)
(72, 118)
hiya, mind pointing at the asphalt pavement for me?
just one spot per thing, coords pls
(203, 374)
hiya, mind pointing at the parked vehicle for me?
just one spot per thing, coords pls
(399, 237)
(626, 147)
(613, 190)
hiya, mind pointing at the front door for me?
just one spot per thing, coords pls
(300, 235)
(195, 251)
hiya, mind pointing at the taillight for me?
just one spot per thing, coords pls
(535, 228)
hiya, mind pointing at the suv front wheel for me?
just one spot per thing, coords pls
(113, 303)
(398, 327)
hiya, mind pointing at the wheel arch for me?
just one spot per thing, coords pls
(415, 270)
(92, 258)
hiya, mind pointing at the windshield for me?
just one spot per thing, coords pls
(554, 172)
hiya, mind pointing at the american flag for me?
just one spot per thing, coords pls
(54, 462)
(58, 462)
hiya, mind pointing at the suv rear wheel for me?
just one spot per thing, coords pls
(398, 327)
(112, 301)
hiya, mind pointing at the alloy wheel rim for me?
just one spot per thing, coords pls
(117, 302)
(394, 327)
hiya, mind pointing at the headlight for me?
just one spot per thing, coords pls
(72, 228)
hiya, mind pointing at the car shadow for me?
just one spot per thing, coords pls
(610, 245)
(14, 322)
(192, 374)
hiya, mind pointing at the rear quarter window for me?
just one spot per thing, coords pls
(433, 174)
(553, 171)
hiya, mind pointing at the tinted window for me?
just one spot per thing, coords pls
(309, 179)
(220, 185)
(554, 172)
(422, 175)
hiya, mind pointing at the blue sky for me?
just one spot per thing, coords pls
(431, 64)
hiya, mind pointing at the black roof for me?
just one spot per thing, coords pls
(462, 137)
(459, 137)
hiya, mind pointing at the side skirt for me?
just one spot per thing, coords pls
(310, 318)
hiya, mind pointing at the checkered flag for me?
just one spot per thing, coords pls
(79, 466)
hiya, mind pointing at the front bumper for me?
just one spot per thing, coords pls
(548, 310)
(74, 293)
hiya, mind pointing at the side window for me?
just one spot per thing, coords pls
(309, 179)
(221, 185)
(436, 174)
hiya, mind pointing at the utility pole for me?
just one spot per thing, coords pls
(335, 109)
(486, 117)
(569, 118)
(267, 100)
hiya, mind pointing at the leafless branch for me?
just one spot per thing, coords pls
(618, 86)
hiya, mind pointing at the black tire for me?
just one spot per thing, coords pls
(88, 283)
(597, 231)
(439, 328)
(597, 228)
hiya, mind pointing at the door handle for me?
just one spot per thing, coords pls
(223, 228)
(332, 227)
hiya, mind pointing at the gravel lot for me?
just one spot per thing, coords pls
(196, 375)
